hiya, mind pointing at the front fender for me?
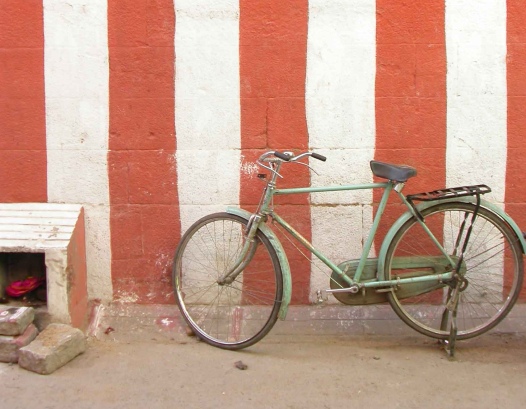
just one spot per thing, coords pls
(424, 205)
(282, 257)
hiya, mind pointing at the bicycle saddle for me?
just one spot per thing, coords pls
(397, 173)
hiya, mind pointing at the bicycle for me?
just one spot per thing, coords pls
(451, 267)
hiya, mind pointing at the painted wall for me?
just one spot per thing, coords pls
(150, 113)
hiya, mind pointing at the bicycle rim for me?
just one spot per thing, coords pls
(230, 316)
(492, 266)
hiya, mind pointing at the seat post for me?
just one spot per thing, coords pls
(398, 186)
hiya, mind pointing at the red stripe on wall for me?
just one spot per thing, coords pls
(144, 217)
(273, 52)
(515, 196)
(23, 158)
(411, 93)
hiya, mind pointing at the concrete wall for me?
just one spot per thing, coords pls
(150, 114)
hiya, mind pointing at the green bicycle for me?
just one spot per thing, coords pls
(451, 267)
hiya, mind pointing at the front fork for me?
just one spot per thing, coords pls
(249, 248)
(247, 252)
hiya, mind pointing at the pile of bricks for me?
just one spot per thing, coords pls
(42, 353)
(16, 331)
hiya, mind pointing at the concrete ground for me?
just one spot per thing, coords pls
(141, 357)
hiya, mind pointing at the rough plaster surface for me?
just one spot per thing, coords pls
(57, 277)
(77, 97)
(341, 68)
(207, 109)
(339, 103)
(476, 87)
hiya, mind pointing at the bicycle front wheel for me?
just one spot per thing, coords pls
(229, 316)
(492, 266)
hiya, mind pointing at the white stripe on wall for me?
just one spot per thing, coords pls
(476, 93)
(77, 121)
(476, 96)
(340, 90)
(207, 106)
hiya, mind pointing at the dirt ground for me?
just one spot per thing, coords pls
(282, 372)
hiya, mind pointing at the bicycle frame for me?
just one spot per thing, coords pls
(266, 209)
(388, 187)
(257, 221)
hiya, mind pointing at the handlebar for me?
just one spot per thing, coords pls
(318, 156)
(276, 157)
(283, 156)
(288, 156)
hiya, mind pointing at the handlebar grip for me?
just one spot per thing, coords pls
(282, 156)
(318, 156)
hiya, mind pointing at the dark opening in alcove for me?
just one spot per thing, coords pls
(24, 276)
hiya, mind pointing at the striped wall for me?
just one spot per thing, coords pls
(142, 167)
(476, 89)
(150, 114)
(410, 93)
(207, 114)
(272, 72)
(22, 107)
(77, 115)
(341, 67)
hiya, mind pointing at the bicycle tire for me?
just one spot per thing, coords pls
(493, 268)
(228, 316)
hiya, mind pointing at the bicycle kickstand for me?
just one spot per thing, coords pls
(451, 308)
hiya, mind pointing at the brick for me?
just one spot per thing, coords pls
(21, 24)
(396, 70)
(23, 175)
(142, 72)
(53, 348)
(287, 125)
(14, 321)
(159, 226)
(144, 124)
(146, 177)
(9, 346)
(23, 123)
(126, 224)
(254, 123)
(22, 72)
(151, 177)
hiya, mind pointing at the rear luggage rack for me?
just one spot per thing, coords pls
(450, 193)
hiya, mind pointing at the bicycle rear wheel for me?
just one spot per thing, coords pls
(229, 316)
(492, 266)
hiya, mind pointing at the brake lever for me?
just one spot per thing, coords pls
(307, 165)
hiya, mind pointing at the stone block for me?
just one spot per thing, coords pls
(53, 348)
(9, 346)
(15, 320)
